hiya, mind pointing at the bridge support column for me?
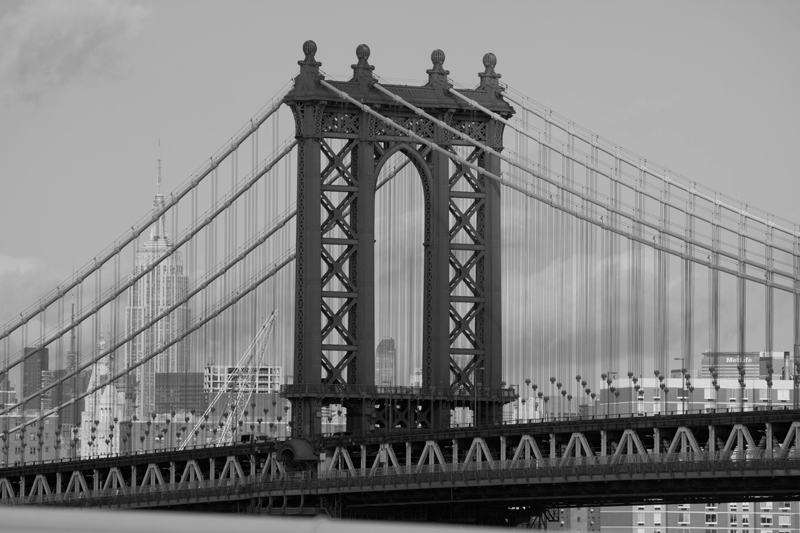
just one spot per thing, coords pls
(134, 481)
(408, 456)
(58, 482)
(363, 457)
(502, 448)
(455, 454)
(172, 472)
(656, 441)
(96, 482)
(553, 448)
(211, 468)
(603, 443)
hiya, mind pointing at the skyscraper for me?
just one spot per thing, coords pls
(70, 388)
(151, 295)
(36, 360)
(385, 361)
(100, 428)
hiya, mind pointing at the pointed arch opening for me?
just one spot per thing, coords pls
(402, 229)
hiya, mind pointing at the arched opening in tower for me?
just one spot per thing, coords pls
(399, 274)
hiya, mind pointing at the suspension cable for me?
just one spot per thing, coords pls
(663, 177)
(145, 223)
(276, 225)
(641, 166)
(234, 298)
(115, 293)
(560, 186)
(166, 312)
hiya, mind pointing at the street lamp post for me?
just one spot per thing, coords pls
(683, 384)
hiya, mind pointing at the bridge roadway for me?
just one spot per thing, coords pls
(498, 475)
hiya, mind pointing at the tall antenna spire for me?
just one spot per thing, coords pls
(159, 229)
(158, 186)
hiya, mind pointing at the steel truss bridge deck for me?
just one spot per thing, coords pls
(473, 473)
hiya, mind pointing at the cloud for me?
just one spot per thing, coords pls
(47, 44)
(18, 265)
(23, 280)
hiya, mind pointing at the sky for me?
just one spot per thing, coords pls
(88, 89)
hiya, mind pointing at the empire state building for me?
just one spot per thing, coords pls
(147, 298)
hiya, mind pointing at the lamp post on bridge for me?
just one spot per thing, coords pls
(683, 383)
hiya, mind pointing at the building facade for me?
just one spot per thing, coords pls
(385, 363)
(725, 381)
(151, 295)
(103, 415)
(36, 361)
(215, 378)
(179, 392)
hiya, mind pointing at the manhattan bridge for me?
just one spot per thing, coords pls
(543, 289)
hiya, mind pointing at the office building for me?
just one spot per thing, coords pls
(415, 380)
(150, 296)
(103, 412)
(8, 396)
(385, 363)
(215, 378)
(730, 365)
(32, 444)
(36, 360)
(179, 392)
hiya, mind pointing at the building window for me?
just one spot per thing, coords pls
(639, 519)
(732, 507)
(656, 519)
(766, 520)
(745, 521)
(711, 506)
(683, 519)
(746, 506)
(786, 506)
(711, 519)
(732, 519)
(766, 506)
(683, 507)
(783, 395)
(785, 520)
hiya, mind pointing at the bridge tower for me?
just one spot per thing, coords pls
(341, 149)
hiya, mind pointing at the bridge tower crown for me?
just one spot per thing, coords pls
(341, 150)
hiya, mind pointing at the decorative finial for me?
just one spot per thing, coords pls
(437, 58)
(437, 76)
(489, 78)
(362, 53)
(489, 61)
(309, 49)
(362, 71)
(309, 76)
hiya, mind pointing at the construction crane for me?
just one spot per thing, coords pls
(239, 386)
